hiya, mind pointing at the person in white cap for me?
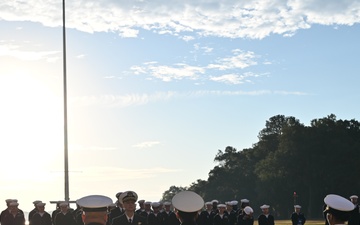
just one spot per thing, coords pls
(94, 209)
(147, 209)
(34, 210)
(206, 217)
(14, 217)
(266, 218)
(355, 214)
(338, 209)
(248, 218)
(231, 212)
(155, 217)
(64, 217)
(187, 204)
(141, 206)
(221, 218)
(128, 200)
(169, 215)
(214, 206)
(297, 217)
(243, 203)
(40, 217)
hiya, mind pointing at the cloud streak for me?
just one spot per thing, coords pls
(246, 19)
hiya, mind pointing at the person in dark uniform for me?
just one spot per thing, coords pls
(355, 214)
(128, 199)
(214, 206)
(14, 217)
(266, 218)
(206, 217)
(235, 206)
(187, 204)
(34, 210)
(118, 211)
(155, 217)
(247, 218)
(41, 217)
(64, 217)
(141, 205)
(169, 215)
(55, 212)
(7, 210)
(243, 203)
(297, 217)
(94, 209)
(231, 212)
(338, 209)
(221, 218)
(147, 209)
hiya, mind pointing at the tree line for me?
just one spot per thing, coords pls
(290, 164)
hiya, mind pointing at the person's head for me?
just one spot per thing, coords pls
(338, 209)
(214, 204)
(354, 199)
(155, 207)
(64, 206)
(128, 200)
(40, 207)
(297, 208)
(221, 208)
(13, 206)
(167, 206)
(141, 203)
(229, 206)
(265, 209)
(208, 206)
(248, 211)
(235, 205)
(36, 202)
(244, 202)
(147, 206)
(187, 204)
(94, 208)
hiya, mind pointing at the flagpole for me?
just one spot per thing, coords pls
(66, 164)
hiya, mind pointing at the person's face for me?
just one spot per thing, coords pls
(221, 210)
(228, 207)
(129, 205)
(64, 208)
(265, 211)
(167, 207)
(41, 208)
(141, 205)
(354, 200)
(156, 209)
(147, 207)
(208, 207)
(13, 209)
(297, 210)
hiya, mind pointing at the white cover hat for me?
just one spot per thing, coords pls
(338, 203)
(188, 201)
(248, 210)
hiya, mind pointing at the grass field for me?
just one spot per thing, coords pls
(288, 222)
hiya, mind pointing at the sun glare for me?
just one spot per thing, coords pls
(31, 123)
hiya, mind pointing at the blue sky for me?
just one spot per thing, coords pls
(156, 88)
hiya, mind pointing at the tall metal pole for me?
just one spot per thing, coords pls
(66, 163)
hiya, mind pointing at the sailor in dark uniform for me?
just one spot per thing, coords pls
(221, 218)
(187, 204)
(297, 217)
(40, 217)
(7, 210)
(355, 214)
(266, 218)
(94, 209)
(214, 206)
(247, 218)
(206, 217)
(169, 215)
(231, 212)
(141, 205)
(128, 199)
(118, 211)
(147, 209)
(155, 217)
(14, 217)
(64, 217)
(34, 210)
(338, 209)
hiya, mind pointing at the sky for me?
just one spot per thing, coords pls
(156, 88)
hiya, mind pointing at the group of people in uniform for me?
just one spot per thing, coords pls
(186, 208)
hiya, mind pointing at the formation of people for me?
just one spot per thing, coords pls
(184, 209)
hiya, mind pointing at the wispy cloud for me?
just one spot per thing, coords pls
(146, 144)
(246, 19)
(11, 50)
(143, 99)
(91, 148)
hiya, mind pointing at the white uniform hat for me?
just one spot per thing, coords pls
(188, 201)
(338, 203)
(244, 200)
(94, 203)
(264, 207)
(14, 204)
(62, 204)
(216, 201)
(221, 206)
(36, 202)
(167, 203)
(234, 202)
(128, 195)
(155, 204)
(208, 203)
(248, 210)
(353, 196)
(297, 206)
(40, 204)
